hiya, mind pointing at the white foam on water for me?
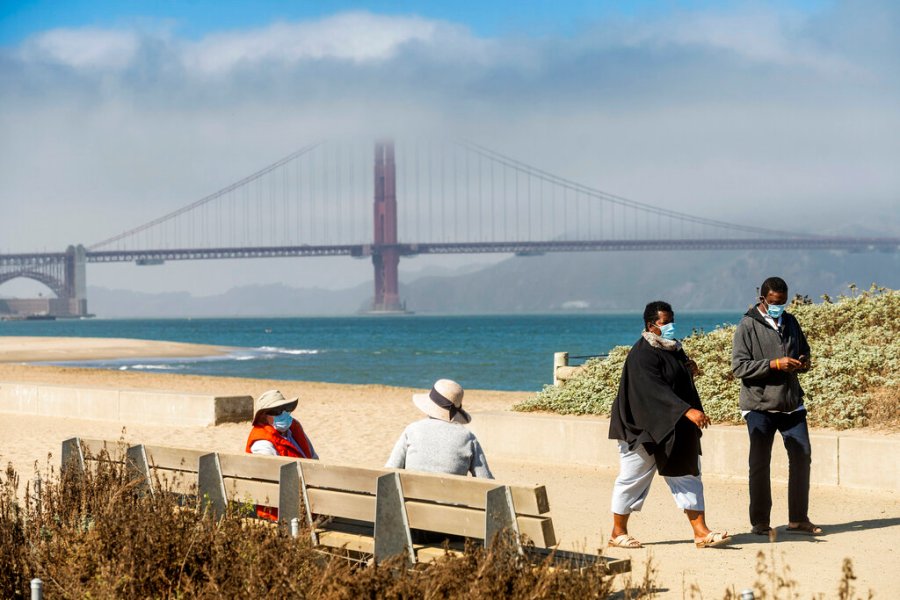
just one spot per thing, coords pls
(277, 350)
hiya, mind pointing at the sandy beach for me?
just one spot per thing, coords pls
(359, 424)
(53, 349)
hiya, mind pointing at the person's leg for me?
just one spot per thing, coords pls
(687, 491)
(795, 434)
(761, 428)
(636, 470)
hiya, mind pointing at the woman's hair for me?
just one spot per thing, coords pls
(652, 310)
(773, 284)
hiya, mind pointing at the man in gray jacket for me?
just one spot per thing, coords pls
(769, 350)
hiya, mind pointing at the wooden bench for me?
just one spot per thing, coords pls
(364, 513)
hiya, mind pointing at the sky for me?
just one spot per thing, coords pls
(114, 113)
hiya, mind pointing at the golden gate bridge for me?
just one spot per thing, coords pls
(421, 197)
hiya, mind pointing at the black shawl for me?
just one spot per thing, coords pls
(655, 392)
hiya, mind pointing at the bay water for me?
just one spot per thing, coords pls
(496, 352)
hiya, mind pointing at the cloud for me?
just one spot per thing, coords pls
(83, 49)
(707, 111)
(356, 37)
(756, 35)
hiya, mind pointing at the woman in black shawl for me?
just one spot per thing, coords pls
(657, 418)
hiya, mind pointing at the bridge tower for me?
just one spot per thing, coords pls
(75, 280)
(385, 252)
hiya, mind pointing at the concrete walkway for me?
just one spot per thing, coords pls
(861, 525)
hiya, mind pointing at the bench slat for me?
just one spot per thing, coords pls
(432, 487)
(366, 545)
(350, 541)
(454, 520)
(469, 522)
(256, 492)
(252, 466)
(469, 491)
(95, 447)
(180, 459)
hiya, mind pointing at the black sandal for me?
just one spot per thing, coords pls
(761, 530)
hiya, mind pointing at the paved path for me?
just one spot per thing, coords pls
(863, 526)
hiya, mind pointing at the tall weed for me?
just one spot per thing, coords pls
(98, 535)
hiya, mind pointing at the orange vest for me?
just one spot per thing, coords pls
(284, 448)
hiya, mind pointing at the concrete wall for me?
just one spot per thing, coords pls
(149, 407)
(853, 460)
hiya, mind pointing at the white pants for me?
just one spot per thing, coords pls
(636, 471)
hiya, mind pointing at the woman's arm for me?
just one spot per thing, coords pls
(263, 447)
(397, 460)
(479, 466)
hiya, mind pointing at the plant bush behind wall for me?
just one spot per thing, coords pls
(854, 380)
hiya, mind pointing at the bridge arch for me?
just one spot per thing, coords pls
(56, 286)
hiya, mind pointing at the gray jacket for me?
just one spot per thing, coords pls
(755, 344)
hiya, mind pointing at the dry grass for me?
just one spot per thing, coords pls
(883, 408)
(95, 535)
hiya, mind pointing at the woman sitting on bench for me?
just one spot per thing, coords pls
(440, 443)
(276, 433)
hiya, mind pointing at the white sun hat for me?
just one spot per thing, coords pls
(271, 400)
(443, 402)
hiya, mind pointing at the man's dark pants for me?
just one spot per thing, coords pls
(762, 427)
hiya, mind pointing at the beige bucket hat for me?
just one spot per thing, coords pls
(443, 402)
(271, 400)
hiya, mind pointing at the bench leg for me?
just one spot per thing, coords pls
(138, 467)
(290, 499)
(500, 517)
(211, 485)
(72, 456)
(392, 535)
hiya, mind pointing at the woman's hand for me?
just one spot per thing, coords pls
(698, 418)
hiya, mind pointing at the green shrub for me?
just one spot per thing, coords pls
(855, 341)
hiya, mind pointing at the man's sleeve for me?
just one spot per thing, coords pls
(744, 365)
(804, 345)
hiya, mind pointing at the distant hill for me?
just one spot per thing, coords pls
(244, 301)
(600, 281)
(591, 281)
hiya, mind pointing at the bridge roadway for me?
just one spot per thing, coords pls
(852, 244)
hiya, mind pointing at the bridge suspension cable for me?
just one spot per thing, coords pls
(206, 199)
(619, 200)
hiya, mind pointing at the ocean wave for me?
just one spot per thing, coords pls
(151, 367)
(276, 350)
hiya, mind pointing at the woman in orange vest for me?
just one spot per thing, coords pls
(276, 433)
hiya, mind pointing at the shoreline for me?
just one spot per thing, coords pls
(35, 349)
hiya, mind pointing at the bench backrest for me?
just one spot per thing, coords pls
(448, 504)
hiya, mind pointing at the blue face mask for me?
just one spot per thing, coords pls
(775, 310)
(667, 331)
(283, 421)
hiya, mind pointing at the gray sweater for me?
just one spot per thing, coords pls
(439, 447)
(755, 344)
